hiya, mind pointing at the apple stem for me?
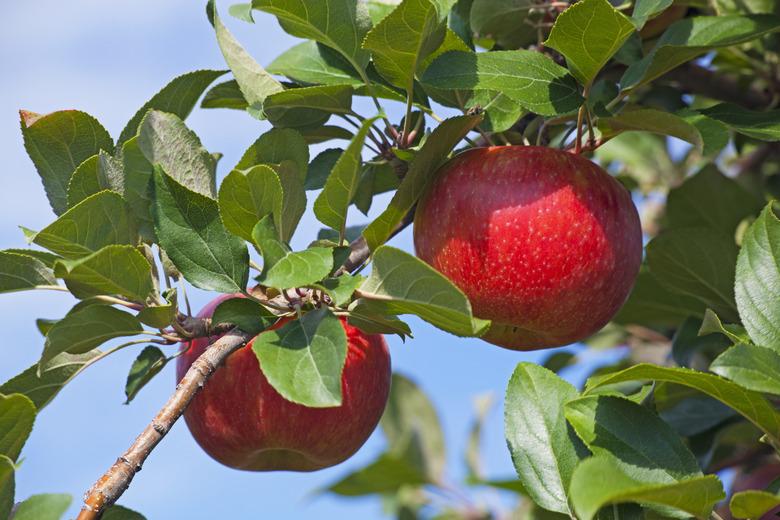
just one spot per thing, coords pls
(116, 480)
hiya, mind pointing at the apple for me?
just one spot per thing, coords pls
(758, 478)
(241, 421)
(543, 242)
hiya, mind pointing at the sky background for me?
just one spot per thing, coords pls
(108, 58)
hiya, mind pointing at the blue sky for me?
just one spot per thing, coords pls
(108, 58)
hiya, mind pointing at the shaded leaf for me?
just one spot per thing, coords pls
(245, 313)
(387, 474)
(20, 272)
(307, 106)
(651, 120)
(17, 414)
(313, 63)
(246, 197)
(276, 146)
(758, 125)
(320, 167)
(225, 95)
(148, 364)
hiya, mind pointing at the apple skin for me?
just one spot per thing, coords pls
(543, 242)
(241, 421)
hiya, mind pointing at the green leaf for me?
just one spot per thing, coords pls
(42, 388)
(304, 358)
(320, 167)
(387, 474)
(164, 139)
(432, 154)
(363, 317)
(43, 507)
(58, 143)
(692, 37)
(266, 238)
(138, 187)
(763, 126)
(376, 178)
(715, 135)
(242, 12)
(315, 64)
(7, 486)
(544, 450)
(84, 182)
(598, 482)
(712, 324)
(277, 146)
(646, 9)
(501, 111)
(148, 364)
(117, 512)
(752, 405)
(339, 24)
(44, 257)
(529, 78)
(637, 440)
(325, 133)
(307, 106)
(225, 95)
(652, 305)
(402, 40)
(402, 284)
(246, 314)
(300, 268)
(332, 204)
(99, 220)
(196, 241)
(753, 503)
(650, 120)
(20, 272)
(177, 97)
(758, 280)
(412, 428)
(246, 197)
(81, 331)
(504, 21)
(255, 83)
(341, 288)
(710, 199)
(755, 368)
(696, 262)
(118, 270)
(17, 415)
(159, 316)
(588, 46)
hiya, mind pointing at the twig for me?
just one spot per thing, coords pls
(115, 481)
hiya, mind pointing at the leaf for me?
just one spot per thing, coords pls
(81, 331)
(503, 21)
(99, 220)
(194, 238)
(84, 182)
(752, 503)
(402, 284)
(315, 64)
(117, 512)
(118, 270)
(715, 135)
(412, 428)
(376, 178)
(598, 482)
(248, 315)
(752, 405)
(332, 204)
(255, 83)
(696, 262)
(320, 167)
(692, 37)
(159, 316)
(544, 450)
(402, 40)
(58, 143)
(651, 304)
(7, 486)
(341, 288)
(634, 438)
(758, 280)
(177, 97)
(588, 46)
(650, 120)
(501, 112)
(387, 474)
(304, 358)
(339, 24)
(300, 268)
(432, 154)
(363, 317)
(712, 324)
(646, 9)
(42, 388)
(148, 364)
(763, 126)
(17, 414)
(138, 187)
(275, 147)
(245, 198)
(19, 272)
(307, 106)
(266, 238)
(164, 139)
(44, 257)
(43, 507)
(242, 12)
(710, 199)
(752, 367)
(325, 133)
(225, 95)
(529, 78)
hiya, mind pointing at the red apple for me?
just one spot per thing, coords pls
(543, 242)
(241, 421)
(758, 478)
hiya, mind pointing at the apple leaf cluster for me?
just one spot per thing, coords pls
(140, 217)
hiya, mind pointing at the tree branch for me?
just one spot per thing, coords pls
(115, 481)
(716, 85)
